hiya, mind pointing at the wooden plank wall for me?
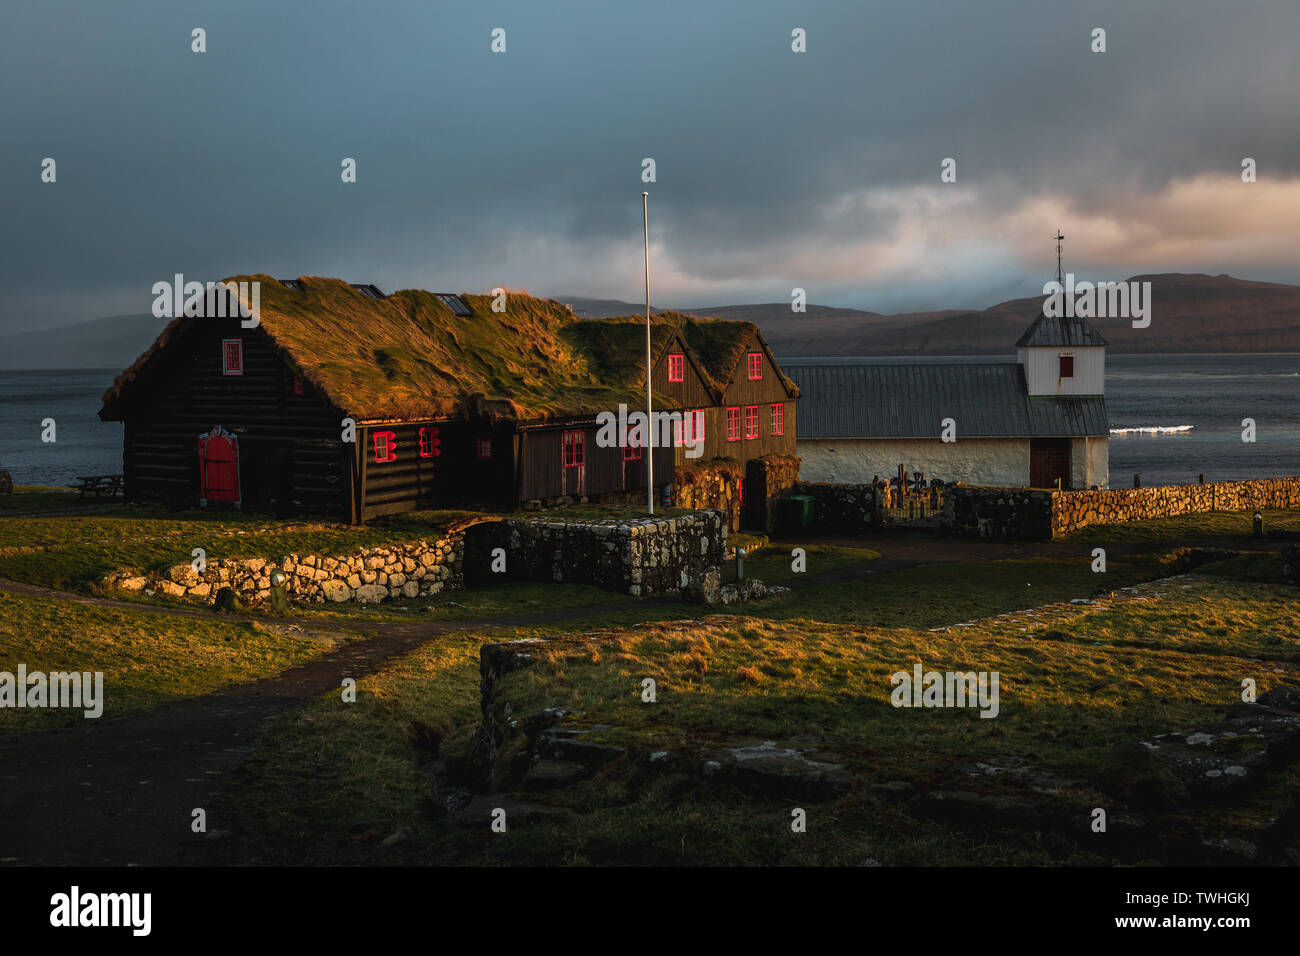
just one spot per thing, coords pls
(289, 445)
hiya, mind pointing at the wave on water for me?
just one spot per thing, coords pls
(1153, 430)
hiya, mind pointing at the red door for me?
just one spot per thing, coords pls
(1049, 459)
(218, 467)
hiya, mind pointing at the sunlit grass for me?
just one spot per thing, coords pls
(147, 659)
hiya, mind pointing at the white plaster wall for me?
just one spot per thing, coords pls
(1089, 463)
(1099, 462)
(976, 461)
(1041, 368)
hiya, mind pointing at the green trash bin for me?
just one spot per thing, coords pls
(795, 513)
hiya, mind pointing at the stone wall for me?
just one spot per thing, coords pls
(641, 556)
(1037, 515)
(1020, 514)
(1072, 510)
(768, 480)
(843, 507)
(711, 485)
(416, 569)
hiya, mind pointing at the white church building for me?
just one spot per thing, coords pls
(1034, 422)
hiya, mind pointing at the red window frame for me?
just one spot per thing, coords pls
(695, 425)
(631, 452)
(751, 421)
(429, 442)
(575, 448)
(1067, 366)
(297, 384)
(232, 349)
(676, 367)
(778, 418)
(483, 448)
(388, 446)
(755, 366)
(733, 423)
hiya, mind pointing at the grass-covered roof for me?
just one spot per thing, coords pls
(408, 356)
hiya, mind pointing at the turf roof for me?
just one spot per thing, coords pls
(409, 357)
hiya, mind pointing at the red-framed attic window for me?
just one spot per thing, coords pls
(483, 448)
(755, 366)
(575, 451)
(232, 356)
(297, 384)
(676, 367)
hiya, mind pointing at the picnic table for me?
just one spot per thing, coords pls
(100, 485)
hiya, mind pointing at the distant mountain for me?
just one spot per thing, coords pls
(1190, 313)
(601, 308)
(114, 342)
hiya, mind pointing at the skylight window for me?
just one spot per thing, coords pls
(455, 303)
(294, 284)
(368, 291)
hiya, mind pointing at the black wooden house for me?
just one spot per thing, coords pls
(344, 402)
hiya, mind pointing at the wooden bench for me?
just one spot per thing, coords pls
(100, 485)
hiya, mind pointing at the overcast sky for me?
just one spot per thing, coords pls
(774, 169)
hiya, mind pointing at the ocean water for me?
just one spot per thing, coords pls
(1204, 397)
(83, 444)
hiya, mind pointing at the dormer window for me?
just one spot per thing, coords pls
(1067, 366)
(676, 368)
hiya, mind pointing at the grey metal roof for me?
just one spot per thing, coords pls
(986, 400)
(1060, 330)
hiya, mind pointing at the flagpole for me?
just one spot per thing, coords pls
(649, 404)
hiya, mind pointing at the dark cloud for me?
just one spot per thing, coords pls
(820, 169)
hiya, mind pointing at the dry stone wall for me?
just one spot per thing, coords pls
(843, 507)
(768, 480)
(634, 556)
(1039, 515)
(1072, 510)
(639, 556)
(712, 485)
(417, 569)
(1019, 514)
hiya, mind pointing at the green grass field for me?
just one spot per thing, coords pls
(75, 551)
(330, 781)
(1069, 694)
(147, 659)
